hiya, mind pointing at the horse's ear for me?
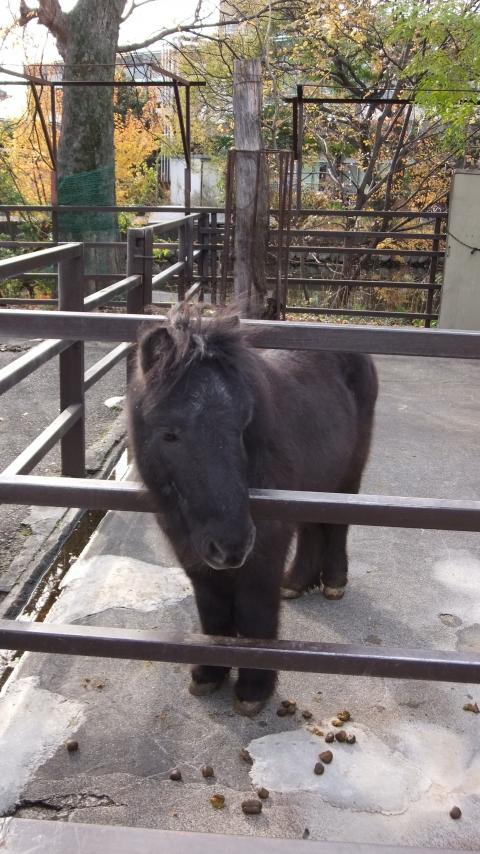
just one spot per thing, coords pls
(154, 346)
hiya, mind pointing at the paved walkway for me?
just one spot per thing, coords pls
(417, 752)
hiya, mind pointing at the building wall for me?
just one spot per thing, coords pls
(460, 306)
(206, 182)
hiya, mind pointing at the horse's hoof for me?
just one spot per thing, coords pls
(333, 592)
(203, 689)
(249, 709)
(290, 593)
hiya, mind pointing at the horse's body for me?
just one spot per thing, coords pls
(211, 417)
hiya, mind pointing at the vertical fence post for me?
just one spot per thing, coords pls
(189, 232)
(72, 366)
(135, 261)
(182, 256)
(214, 239)
(147, 266)
(433, 268)
(135, 296)
(204, 240)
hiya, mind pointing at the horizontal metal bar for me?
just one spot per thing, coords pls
(31, 244)
(400, 235)
(366, 100)
(140, 209)
(360, 312)
(20, 368)
(366, 250)
(167, 274)
(21, 301)
(335, 508)
(159, 227)
(100, 368)
(36, 450)
(354, 212)
(359, 283)
(114, 83)
(103, 296)
(43, 258)
(193, 290)
(80, 326)
(297, 656)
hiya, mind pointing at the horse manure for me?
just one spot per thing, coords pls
(344, 716)
(282, 711)
(176, 775)
(351, 739)
(316, 730)
(319, 768)
(292, 709)
(471, 707)
(341, 736)
(330, 736)
(455, 812)
(72, 745)
(207, 771)
(244, 754)
(336, 722)
(286, 703)
(326, 756)
(307, 714)
(217, 801)
(263, 793)
(251, 807)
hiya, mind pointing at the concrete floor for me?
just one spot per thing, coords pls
(417, 752)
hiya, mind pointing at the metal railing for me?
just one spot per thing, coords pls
(207, 245)
(332, 508)
(69, 426)
(139, 247)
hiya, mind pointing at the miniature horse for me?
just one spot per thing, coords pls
(212, 416)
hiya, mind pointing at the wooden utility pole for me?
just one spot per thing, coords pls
(251, 190)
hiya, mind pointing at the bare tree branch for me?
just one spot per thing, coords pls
(198, 26)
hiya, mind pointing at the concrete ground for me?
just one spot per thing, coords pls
(417, 753)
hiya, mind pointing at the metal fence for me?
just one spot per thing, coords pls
(69, 426)
(407, 228)
(70, 329)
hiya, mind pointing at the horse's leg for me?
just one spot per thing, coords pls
(335, 567)
(306, 569)
(257, 605)
(256, 612)
(214, 597)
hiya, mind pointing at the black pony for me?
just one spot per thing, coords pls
(210, 417)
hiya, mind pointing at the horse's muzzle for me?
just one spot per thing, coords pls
(223, 554)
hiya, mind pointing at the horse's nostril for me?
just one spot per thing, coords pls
(213, 552)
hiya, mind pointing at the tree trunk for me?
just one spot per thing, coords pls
(251, 192)
(86, 158)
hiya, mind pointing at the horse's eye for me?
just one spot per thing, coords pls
(170, 436)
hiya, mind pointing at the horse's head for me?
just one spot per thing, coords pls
(190, 408)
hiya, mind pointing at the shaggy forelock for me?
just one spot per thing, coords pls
(190, 339)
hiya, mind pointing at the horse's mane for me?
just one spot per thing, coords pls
(169, 349)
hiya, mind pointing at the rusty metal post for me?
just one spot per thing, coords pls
(433, 268)
(72, 366)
